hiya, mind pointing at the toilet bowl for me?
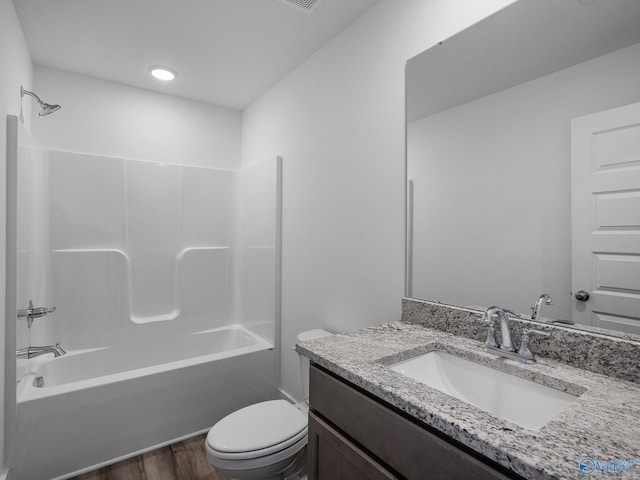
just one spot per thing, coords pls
(267, 440)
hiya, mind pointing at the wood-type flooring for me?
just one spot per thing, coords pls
(184, 460)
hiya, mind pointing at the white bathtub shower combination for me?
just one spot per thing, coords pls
(165, 283)
(78, 420)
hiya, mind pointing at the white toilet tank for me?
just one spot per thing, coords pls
(304, 361)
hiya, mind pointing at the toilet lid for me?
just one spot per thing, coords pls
(257, 427)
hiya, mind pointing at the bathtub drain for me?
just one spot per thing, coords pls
(38, 382)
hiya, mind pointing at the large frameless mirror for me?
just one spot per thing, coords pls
(523, 164)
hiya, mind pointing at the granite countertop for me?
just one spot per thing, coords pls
(602, 424)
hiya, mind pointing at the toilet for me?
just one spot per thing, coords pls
(267, 440)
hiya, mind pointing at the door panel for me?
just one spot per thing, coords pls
(605, 174)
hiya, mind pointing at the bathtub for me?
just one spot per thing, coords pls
(101, 405)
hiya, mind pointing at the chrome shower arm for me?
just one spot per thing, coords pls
(46, 108)
(27, 92)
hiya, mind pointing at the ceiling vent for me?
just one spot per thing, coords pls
(306, 6)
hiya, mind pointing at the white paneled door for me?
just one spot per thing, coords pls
(605, 204)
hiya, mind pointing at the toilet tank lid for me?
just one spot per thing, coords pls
(312, 334)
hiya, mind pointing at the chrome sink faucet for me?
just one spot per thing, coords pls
(505, 349)
(492, 313)
(536, 308)
(30, 352)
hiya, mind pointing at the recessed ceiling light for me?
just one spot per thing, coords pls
(162, 73)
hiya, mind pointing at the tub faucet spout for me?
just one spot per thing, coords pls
(30, 352)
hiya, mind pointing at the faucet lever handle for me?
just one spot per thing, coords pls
(491, 337)
(61, 350)
(525, 352)
(527, 331)
(32, 312)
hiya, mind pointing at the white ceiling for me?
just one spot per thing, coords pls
(226, 52)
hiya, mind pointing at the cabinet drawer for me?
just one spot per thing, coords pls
(401, 444)
(331, 456)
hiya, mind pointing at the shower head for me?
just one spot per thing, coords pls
(46, 109)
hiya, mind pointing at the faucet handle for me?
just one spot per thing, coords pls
(489, 316)
(527, 331)
(525, 352)
(491, 337)
(61, 351)
(32, 312)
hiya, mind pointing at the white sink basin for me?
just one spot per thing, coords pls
(526, 403)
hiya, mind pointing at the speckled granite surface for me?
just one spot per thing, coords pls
(603, 423)
(590, 350)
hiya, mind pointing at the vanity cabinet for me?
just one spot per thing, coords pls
(354, 436)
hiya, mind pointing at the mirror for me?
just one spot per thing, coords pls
(489, 124)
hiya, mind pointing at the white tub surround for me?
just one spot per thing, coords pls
(120, 246)
(165, 278)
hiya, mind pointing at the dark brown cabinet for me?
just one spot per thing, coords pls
(354, 436)
(337, 458)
